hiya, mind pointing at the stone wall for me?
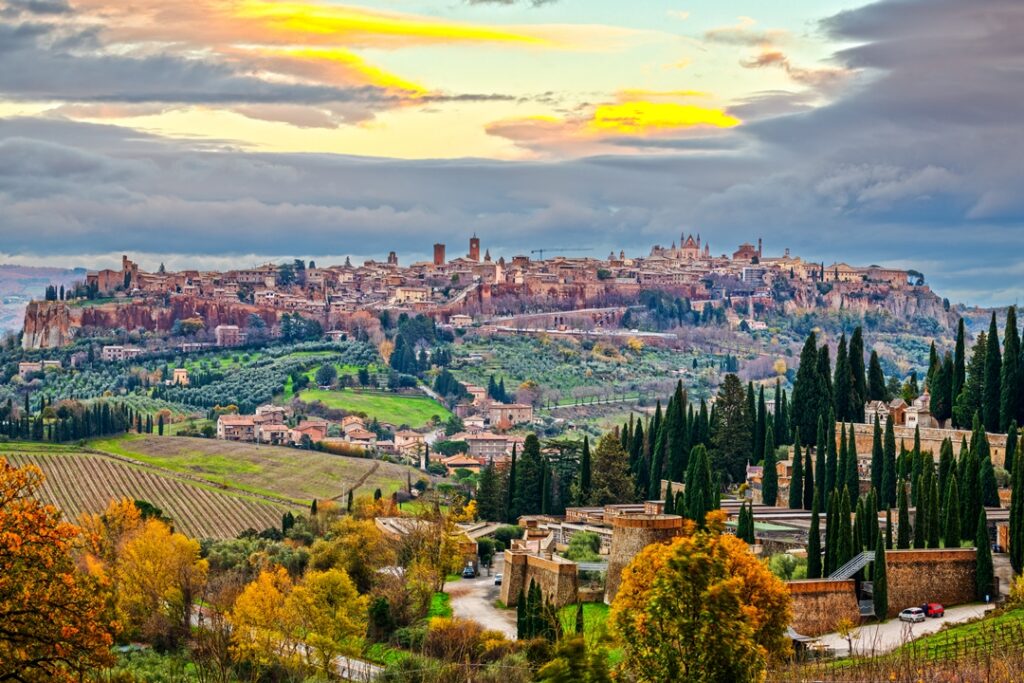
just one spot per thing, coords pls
(943, 575)
(931, 440)
(632, 534)
(557, 578)
(820, 604)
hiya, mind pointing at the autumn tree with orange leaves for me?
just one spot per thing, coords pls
(700, 608)
(51, 611)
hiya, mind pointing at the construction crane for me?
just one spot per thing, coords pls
(541, 251)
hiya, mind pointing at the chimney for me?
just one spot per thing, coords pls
(439, 254)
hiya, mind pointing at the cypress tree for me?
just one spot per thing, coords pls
(843, 453)
(807, 401)
(888, 528)
(985, 573)
(947, 466)
(992, 393)
(675, 437)
(920, 515)
(842, 383)
(987, 483)
(1017, 516)
(521, 624)
(781, 433)
(880, 589)
(831, 533)
(857, 370)
(750, 413)
(876, 379)
(1011, 446)
(580, 624)
(511, 503)
(545, 489)
(859, 524)
(845, 552)
(852, 475)
(952, 534)
(1009, 398)
(825, 378)
(808, 477)
(585, 471)
(699, 494)
(670, 501)
(814, 541)
(877, 457)
(770, 476)
(796, 482)
(889, 466)
(903, 524)
(761, 424)
(959, 361)
(970, 494)
(819, 458)
(934, 515)
(831, 464)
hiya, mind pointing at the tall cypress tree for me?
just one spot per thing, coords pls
(814, 540)
(831, 457)
(670, 501)
(842, 383)
(876, 380)
(903, 524)
(831, 533)
(699, 491)
(857, 370)
(658, 458)
(889, 470)
(845, 551)
(952, 534)
(796, 482)
(778, 415)
(819, 457)
(987, 484)
(760, 423)
(992, 392)
(880, 577)
(984, 573)
(1011, 446)
(807, 401)
(585, 472)
(677, 438)
(808, 497)
(959, 361)
(877, 457)
(947, 465)
(1017, 517)
(852, 475)
(1009, 379)
(770, 476)
(841, 463)
(511, 502)
(921, 515)
(825, 378)
(888, 528)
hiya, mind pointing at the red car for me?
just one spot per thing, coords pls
(934, 609)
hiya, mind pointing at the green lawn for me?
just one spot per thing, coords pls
(439, 606)
(398, 409)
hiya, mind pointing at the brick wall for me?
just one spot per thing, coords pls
(819, 605)
(931, 440)
(915, 577)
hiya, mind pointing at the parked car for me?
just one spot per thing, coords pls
(497, 579)
(469, 572)
(934, 609)
(912, 615)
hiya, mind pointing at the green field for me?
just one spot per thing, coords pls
(398, 409)
(290, 475)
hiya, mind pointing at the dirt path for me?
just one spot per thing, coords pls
(474, 599)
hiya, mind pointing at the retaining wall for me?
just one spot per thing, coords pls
(557, 578)
(820, 604)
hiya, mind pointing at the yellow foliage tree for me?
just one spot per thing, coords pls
(356, 546)
(159, 576)
(700, 608)
(635, 344)
(386, 348)
(780, 367)
(51, 623)
(259, 621)
(329, 617)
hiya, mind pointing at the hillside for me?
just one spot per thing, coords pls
(289, 475)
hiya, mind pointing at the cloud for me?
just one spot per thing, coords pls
(533, 3)
(743, 33)
(681, 15)
(914, 161)
(825, 78)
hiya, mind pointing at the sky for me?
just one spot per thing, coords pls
(218, 133)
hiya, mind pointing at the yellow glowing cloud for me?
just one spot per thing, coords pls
(634, 94)
(644, 116)
(340, 65)
(356, 24)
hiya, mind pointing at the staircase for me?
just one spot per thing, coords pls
(853, 566)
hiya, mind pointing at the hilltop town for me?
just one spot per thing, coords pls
(469, 288)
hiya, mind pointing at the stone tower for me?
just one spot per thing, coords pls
(630, 535)
(474, 248)
(439, 254)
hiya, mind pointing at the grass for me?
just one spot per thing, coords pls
(291, 474)
(997, 631)
(440, 606)
(386, 655)
(397, 409)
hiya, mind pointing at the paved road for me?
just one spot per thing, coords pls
(474, 599)
(880, 638)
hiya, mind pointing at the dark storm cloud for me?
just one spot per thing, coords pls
(916, 164)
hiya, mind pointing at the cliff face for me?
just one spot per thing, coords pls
(50, 324)
(901, 303)
(47, 325)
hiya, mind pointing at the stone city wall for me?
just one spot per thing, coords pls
(945, 576)
(557, 578)
(931, 440)
(820, 604)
